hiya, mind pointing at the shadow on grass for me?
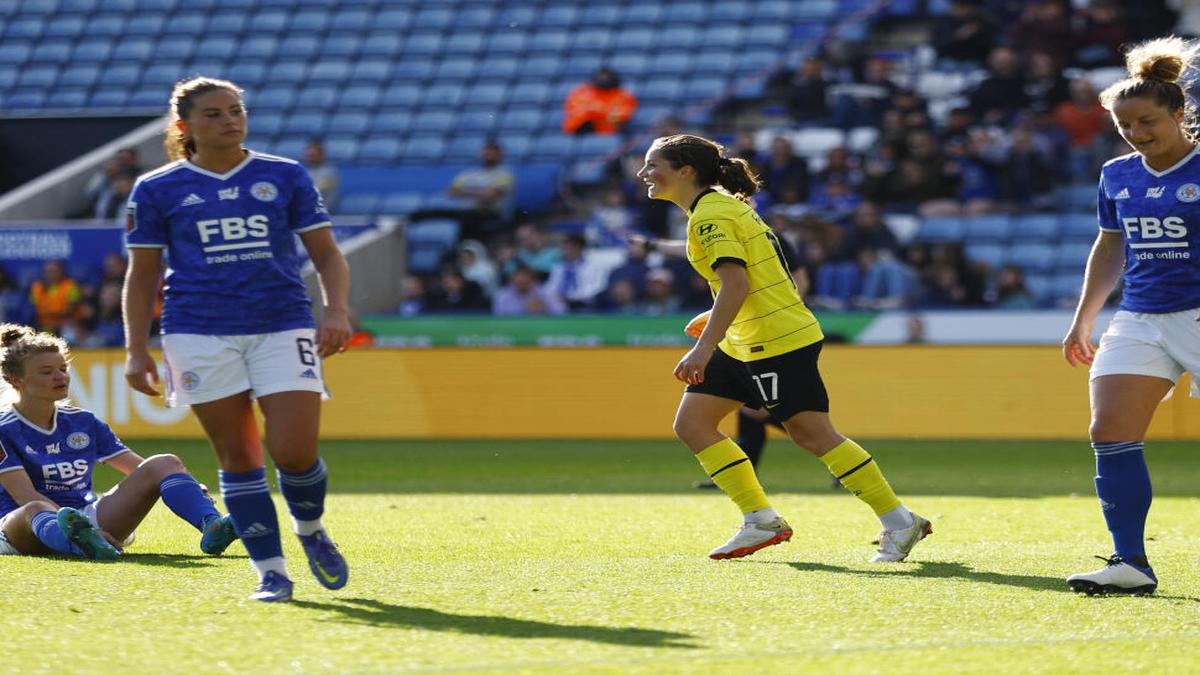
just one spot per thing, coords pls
(948, 570)
(177, 560)
(382, 614)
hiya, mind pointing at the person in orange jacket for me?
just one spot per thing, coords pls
(598, 106)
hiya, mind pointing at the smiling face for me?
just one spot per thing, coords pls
(217, 120)
(1151, 129)
(664, 181)
(45, 378)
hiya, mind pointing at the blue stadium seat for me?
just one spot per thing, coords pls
(648, 115)
(553, 146)
(561, 15)
(988, 228)
(392, 19)
(259, 47)
(121, 76)
(288, 72)
(162, 75)
(391, 121)
(488, 95)
(630, 64)
(730, 11)
(754, 60)
(173, 49)
(644, 14)
(51, 51)
(349, 122)
(146, 98)
(268, 123)
(318, 96)
(941, 229)
(370, 70)
(309, 21)
(1066, 287)
(109, 98)
(386, 44)
(533, 94)
(26, 27)
(779, 35)
(596, 145)
(40, 77)
(1080, 227)
(440, 232)
(78, 5)
(464, 148)
(704, 87)
(503, 42)
(498, 68)
(24, 99)
(1072, 256)
(772, 11)
(400, 203)
(79, 75)
(360, 203)
(1040, 286)
(814, 10)
(474, 17)
(290, 147)
(329, 70)
(517, 146)
(662, 89)
(521, 119)
(423, 44)
(424, 260)
(341, 149)
(456, 69)
(714, 62)
(433, 121)
(541, 67)
(272, 97)
(992, 255)
(401, 95)
(226, 23)
(299, 46)
(185, 23)
(442, 96)
(635, 38)
(464, 43)
(339, 46)
(15, 53)
(1036, 226)
(106, 25)
(1031, 257)
(672, 63)
(270, 20)
(217, 46)
(691, 11)
(351, 19)
(1079, 198)
(552, 40)
(582, 66)
(65, 26)
(361, 97)
(477, 121)
(414, 69)
(433, 18)
(423, 149)
(136, 50)
(599, 15)
(66, 99)
(592, 39)
(248, 73)
(93, 51)
(305, 123)
(517, 15)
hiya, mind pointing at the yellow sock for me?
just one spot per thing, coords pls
(732, 471)
(859, 473)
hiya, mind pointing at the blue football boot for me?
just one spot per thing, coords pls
(326, 563)
(274, 587)
(218, 534)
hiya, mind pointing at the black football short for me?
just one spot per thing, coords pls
(784, 384)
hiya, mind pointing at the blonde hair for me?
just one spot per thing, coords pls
(1158, 71)
(183, 97)
(17, 344)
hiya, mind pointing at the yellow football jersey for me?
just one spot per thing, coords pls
(773, 319)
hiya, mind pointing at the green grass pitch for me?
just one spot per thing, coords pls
(557, 556)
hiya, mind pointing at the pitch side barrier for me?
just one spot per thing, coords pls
(900, 391)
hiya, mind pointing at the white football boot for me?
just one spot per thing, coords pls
(895, 545)
(752, 536)
(1117, 576)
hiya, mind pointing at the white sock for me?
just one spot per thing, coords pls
(277, 565)
(307, 527)
(899, 518)
(761, 516)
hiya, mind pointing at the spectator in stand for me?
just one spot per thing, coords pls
(1028, 177)
(600, 106)
(488, 189)
(867, 231)
(523, 295)
(790, 205)
(113, 268)
(840, 165)
(1002, 93)
(476, 266)
(1010, 292)
(965, 34)
(1188, 23)
(835, 199)
(1044, 28)
(1086, 123)
(633, 270)
(974, 161)
(55, 297)
(106, 326)
(783, 170)
(1101, 35)
(805, 91)
(534, 250)
(942, 288)
(959, 122)
(110, 205)
(1045, 86)
(613, 220)
(14, 302)
(412, 296)
(576, 278)
(887, 283)
(661, 298)
(99, 187)
(325, 176)
(454, 293)
(622, 298)
(862, 103)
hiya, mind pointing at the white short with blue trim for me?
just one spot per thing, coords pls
(1155, 345)
(203, 368)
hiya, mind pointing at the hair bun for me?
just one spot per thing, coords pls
(10, 333)
(1160, 60)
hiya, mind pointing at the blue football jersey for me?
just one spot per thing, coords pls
(1158, 213)
(58, 460)
(232, 266)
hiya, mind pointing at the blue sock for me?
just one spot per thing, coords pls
(46, 529)
(305, 491)
(182, 494)
(1123, 486)
(254, 519)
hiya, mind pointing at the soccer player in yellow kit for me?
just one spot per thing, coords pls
(760, 347)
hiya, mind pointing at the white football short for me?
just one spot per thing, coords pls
(5, 547)
(203, 368)
(1158, 345)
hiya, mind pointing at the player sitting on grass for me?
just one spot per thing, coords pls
(47, 453)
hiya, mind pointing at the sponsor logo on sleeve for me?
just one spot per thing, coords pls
(130, 217)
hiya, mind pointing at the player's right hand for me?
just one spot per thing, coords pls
(1077, 345)
(140, 371)
(696, 326)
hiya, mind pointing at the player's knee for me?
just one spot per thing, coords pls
(38, 506)
(164, 465)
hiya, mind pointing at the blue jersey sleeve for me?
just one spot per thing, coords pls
(107, 443)
(306, 211)
(145, 227)
(1106, 209)
(9, 460)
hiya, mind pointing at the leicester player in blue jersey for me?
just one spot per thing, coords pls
(48, 451)
(1149, 212)
(237, 323)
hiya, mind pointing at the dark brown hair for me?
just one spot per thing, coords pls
(183, 97)
(1156, 71)
(712, 168)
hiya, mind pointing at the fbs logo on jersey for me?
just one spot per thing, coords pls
(223, 234)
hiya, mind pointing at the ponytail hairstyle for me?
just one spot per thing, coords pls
(178, 145)
(1156, 71)
(733, 175)
(17, 344)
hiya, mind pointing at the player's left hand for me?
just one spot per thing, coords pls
(690, 369)
(333, 333)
